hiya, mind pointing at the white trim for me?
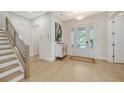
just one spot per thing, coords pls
(87, 24)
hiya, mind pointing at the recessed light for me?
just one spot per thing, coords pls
(81, 17)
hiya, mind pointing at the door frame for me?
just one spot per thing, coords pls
(91, 51)
(33, 54)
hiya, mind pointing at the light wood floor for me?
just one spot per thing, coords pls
(74, 71)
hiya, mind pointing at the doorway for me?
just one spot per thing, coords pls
(117, 27)
(35, 40)
(82, 40)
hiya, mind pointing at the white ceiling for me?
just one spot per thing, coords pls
(29, 14)
(70, 15)
(62, 15)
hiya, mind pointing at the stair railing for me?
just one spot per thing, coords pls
(21, 48)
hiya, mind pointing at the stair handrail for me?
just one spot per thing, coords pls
(22, 49)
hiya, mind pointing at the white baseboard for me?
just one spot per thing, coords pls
(121, 60)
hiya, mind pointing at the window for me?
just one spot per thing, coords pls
(81, 37)
(91, 37)
(72, 38)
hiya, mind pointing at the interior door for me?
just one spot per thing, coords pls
(119, 39)
(80, 41)
(35, 39)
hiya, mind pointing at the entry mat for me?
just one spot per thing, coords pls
(83, 59)
(77, 58)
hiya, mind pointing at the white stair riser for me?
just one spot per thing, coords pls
(6, 50)
(2, 32)
(2, 35)
(7, 56)
(8, 63)
(4, 74)
(4, 41)
(18, 78)
(5, 46)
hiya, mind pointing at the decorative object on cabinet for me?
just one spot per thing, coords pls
(58, 32)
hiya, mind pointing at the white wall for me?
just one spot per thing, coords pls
(47, 36)
(44, 23)
(35, 37)
(54, 19)
(100, 29)
(2, 20)
(22, 26)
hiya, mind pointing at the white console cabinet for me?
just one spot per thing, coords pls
(60, 50)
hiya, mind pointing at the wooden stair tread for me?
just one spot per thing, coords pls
(3, 39)
(8, 60)
(2, 32)
(11, 76)
(8, 68)
(2, 35)
(6, 43)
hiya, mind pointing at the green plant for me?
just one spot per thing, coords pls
(58, 36)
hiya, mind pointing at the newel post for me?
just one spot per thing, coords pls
(27, 65)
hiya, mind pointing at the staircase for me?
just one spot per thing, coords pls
(10, 67)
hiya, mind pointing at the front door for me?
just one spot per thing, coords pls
(81, 40)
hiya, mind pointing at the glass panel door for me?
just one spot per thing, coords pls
(72, 38)
(81, 37)
(79, 41)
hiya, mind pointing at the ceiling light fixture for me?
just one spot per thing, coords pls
(76, 12)
(81, 17)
